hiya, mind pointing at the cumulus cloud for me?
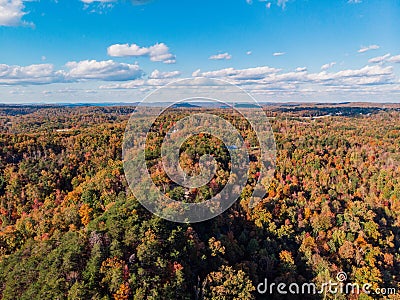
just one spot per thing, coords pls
(156, 74)
(238, 74)
(385, 59)
(157, 52)
(301, 69)
(146, 85)
(75, 71)
(141, 84)
(364, 76)
(368, 75)
(379, 59)
(394, 59)
(257, 78)
(33, 74)
(328, 66)
(126, 85)
(368, 48)
(278, 53)
(378, 78)
(103, 70)
(11, 12)
(249, 53)
(221, 56)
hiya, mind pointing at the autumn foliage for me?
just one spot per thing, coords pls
(71, 229)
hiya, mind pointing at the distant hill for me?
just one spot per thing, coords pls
(247, 105)
(185, 105)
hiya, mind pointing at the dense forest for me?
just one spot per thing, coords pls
(70, 228)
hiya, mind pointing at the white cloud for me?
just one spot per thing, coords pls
(282, 3)
(268, 4)
(142, 84)
(394, 59)
(103, 70)
(301, 69)
(11, 12)
(126, 85)
(354, 1)
(328, 66)
(278, 53)
(221, 56)
(242, 74)
(379, 59)
(385, 58)
(98, 6)
(75, 71)
(367, 48)
(364, 76)
(368, 75)
(157, 52)
(377, 79)
(249, 53)
(33, 74)
(196, 73)
(156, 74)
(169, 61)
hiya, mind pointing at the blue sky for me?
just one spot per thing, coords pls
(117, 51)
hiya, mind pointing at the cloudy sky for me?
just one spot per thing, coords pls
(278, 50)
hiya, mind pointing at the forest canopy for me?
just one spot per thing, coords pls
(70, 228)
